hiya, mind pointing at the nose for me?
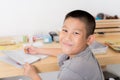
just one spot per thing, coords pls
(68, 37)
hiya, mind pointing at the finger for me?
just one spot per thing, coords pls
(26, 65)
(26, 50)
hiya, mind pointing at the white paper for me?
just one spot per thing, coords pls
(8, 60)
(19, 58)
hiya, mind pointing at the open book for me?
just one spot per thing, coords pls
(19, 57)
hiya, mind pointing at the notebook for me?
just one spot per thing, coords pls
(19, 57)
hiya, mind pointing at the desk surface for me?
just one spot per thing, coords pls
(50, 63)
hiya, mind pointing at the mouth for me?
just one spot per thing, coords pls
(67, 44)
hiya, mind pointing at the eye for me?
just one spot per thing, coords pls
(76, 33)
(64, 30)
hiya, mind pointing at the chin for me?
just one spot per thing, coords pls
(66, 49)
(66, 52)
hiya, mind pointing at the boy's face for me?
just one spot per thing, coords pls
(73, 36)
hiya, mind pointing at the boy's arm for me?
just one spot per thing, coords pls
(49, 51)
(46, 51)
(37, 77)
(30, 71)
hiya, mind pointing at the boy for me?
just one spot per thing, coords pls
(75, 36)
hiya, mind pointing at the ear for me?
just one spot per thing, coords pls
(90, 39)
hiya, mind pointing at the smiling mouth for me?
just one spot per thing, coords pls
(67, 44)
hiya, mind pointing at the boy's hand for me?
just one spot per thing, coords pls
(30, 50)
(30, 71)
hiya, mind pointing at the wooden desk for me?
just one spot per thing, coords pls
(50, 63)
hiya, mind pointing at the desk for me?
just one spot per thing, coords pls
(50, 63)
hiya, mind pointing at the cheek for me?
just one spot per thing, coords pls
(80, 41)
(60, 37)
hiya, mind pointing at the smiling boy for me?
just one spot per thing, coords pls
(75, 37)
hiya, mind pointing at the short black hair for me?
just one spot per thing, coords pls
(86, 17)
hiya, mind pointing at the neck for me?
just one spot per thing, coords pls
(79, 51)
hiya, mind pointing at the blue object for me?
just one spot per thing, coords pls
(97, 18)
(47, 39)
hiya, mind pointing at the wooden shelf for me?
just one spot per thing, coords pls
(109, 26)
(108, 23)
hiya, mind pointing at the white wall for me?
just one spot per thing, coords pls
(30, 16)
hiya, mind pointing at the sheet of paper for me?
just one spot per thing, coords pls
(19, 58)
(8, 60)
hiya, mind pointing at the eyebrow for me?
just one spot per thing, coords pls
(78, 29)
(73, 29)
